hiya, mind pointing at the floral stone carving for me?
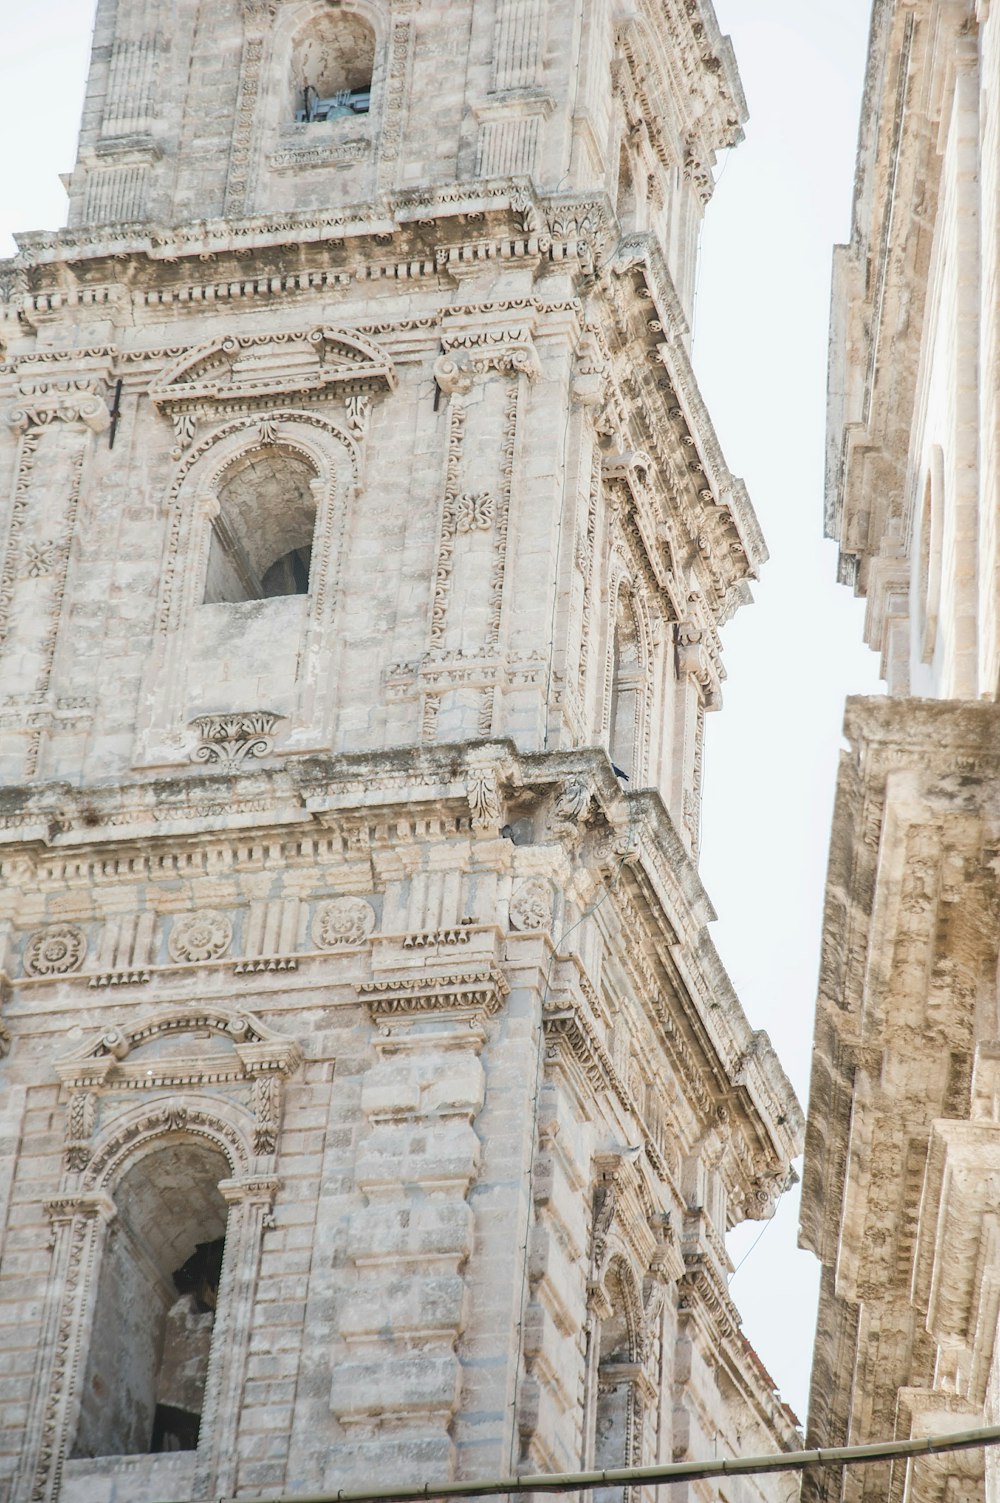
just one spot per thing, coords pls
(342, 921)
(200, 936)
(475, 511)
(531, 905)
(227, 741)
(55, 951)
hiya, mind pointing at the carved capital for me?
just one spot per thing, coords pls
(43, 403)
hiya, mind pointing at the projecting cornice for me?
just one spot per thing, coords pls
(378, 804)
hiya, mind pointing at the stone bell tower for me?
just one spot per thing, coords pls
(375, 1104)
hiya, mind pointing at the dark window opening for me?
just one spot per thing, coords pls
(344, 102)
(261, 543)
(289, 574)
(187, 1340)
(144, 1382)
(332, 63)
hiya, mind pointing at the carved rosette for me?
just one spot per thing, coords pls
(531, 905)
(56, 951)
(342, 923)
(198, 937)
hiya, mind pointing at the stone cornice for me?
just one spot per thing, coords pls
(877, 335)
(63, 835)
(686, 81)
(505, 207)
(667, 344)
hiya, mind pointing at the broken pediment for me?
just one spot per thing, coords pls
(182, 1045)
(244, 372)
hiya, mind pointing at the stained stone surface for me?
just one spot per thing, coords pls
(362, 516)
(901, 1176)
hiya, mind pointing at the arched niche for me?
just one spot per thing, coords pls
(163, 1183)
(250, 583)
(332, 67)
(616, 1402)
(157, 1294)
(261, 541)
(321, 109)
(628, 684)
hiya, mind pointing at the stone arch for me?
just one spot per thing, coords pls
(311, 152)
(224, 1127)
(103, 1248)
(261, 540)
(616, 1405)
(315, 442)
(155, 1299)
(204, 636)
(332, 56)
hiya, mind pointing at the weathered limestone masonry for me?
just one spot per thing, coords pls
(375, 1103)
(903, 1143)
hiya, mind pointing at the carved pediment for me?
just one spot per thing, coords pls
(241, 372)
(181, 1046)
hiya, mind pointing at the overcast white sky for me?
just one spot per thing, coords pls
(783, 198)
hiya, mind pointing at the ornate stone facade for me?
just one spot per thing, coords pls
(371, 1078)
(901, 1178)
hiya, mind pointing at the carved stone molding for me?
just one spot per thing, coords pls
(40, 403)
(254, 372)
(485, 798)
(574, 801)
(475, 352)
(474, 995)
(230, 740)
(452, 375)
(475, 512)
(115, 1058)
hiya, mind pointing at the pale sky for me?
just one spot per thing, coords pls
(783, 199)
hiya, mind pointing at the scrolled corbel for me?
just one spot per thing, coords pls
(453, 376)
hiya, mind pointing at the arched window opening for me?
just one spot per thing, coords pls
(617, 1369)
(157, 1291)
(261, 542)
(333, 59)
(626, 690)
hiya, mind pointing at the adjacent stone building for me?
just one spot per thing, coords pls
(375, 1104)
(902, 1179)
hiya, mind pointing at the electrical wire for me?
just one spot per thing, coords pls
(677, 1471)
